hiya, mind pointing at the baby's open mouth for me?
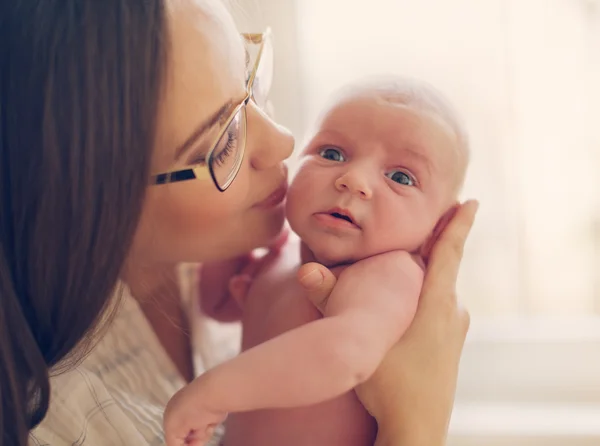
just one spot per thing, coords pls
(342, 216)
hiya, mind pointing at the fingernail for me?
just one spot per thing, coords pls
(312, 279)
(473, 202)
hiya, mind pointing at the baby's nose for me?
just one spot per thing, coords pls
(355, 184)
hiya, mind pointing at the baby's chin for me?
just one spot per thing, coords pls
(328, 249)
(339, 252)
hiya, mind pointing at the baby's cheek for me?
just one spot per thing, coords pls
(401, 229)
(301, 194)
(293, 207)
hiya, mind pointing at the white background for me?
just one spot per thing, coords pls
(525, 74)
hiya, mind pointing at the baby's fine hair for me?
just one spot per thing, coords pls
(412, 93)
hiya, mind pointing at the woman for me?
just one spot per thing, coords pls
(129, 142)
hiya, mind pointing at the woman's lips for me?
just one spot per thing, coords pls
(275, 198)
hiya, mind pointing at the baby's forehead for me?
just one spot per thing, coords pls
(402, 92)
(362, 102)
(358, 106)
(364, 116)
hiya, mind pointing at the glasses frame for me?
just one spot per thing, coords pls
(202, 171)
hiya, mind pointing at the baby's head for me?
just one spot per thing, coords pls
(387, 160)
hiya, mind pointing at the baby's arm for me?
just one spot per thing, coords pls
(325, 358)
(315, 362)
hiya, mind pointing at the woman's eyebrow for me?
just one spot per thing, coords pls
(212, 120)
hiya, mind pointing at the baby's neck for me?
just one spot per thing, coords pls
(306, 256)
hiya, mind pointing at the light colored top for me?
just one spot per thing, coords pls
(117, 395)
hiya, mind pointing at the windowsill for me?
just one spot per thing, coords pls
(525, 424)
(529, 382)
(535, 329)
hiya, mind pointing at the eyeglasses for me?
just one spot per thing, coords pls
(227, 153)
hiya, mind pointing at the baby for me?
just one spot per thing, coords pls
(386, 162)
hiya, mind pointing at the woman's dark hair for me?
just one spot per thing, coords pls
(80, 82)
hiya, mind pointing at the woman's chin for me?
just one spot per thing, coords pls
(241, 241)
(250, 239)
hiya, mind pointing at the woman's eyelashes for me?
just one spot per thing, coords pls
(224, 148)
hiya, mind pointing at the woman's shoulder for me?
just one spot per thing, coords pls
(82, 411)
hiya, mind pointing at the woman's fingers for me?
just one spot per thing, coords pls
(446, 254)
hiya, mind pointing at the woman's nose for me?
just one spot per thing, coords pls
(268, 143)
(352, 181)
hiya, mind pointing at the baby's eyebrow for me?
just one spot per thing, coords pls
(332, 135)
(419, 157)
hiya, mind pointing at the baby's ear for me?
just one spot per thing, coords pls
(428, 244)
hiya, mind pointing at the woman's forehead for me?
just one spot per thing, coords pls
(206, 28)
(206, 69)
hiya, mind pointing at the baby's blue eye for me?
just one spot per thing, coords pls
(401, 178)
(332, 154)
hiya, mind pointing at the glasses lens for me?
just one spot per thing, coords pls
(264, 74)
(227, 156)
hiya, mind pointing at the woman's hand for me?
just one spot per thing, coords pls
(412, 392)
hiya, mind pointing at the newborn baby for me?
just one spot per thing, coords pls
(386, 162)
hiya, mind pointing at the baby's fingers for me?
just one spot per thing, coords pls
(318, 282)
(255, 264)
(280, 240)
(238, 288)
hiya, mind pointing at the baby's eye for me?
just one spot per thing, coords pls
(332, 154)
(401, 177)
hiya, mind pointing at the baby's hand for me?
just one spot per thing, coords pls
(239, 284)
(187, 421)
(224, 285)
